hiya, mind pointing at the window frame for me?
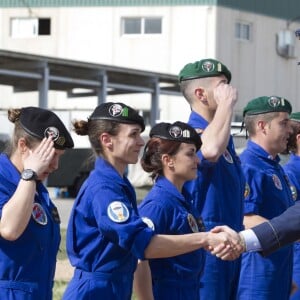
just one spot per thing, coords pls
(239, 33)
(33, 30)
(143, 24)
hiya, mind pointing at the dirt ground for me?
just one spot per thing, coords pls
(64, 271)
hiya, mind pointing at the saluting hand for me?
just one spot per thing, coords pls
(39, 158)
(225, 94)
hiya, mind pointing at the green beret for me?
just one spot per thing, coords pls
(295, 116)
(178, 132)
(265, 104)
(204, 68)
(41, 123)
(117, 112)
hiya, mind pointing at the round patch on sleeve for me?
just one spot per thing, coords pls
(118, 212)
(148, 222)
(38, 213)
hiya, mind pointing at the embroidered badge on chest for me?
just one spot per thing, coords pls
(228, 156)
(55, 215)
(200, 223)
(118, 212)
(277, 181)
(247, 190)
(294, 192)
(192, 223)
(292, 188)
(39, 215)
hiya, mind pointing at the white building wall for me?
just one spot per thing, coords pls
(93, 34)
(43, 45)
(256, 67)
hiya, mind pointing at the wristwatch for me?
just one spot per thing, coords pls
(28, 174)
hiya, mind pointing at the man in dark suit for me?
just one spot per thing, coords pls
(266, 237)
(279, 231)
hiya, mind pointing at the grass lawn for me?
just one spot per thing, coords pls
(60, 285)
(62, 253)
(59, 288)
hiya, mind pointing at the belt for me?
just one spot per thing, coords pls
(78, 274)
(19, 285)
(194, 281)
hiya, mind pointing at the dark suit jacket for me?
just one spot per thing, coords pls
(279, 231)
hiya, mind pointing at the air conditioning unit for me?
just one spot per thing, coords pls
(285, 43)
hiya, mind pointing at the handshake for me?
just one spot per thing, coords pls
(225, 243)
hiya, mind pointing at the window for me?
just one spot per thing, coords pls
(44, 26)
(141, 25)
(243, 31)
(30, 27)
(152, 25)
(132, 26)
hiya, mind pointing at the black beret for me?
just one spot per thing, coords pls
(204, 68)
(118, 112)
(266, 104)
(178, 131)
(41, 123)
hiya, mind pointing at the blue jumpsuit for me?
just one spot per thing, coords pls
(218, 194)
(171, 212)
(27, 265)
(105, 237)
(292, 169)
(270, 195)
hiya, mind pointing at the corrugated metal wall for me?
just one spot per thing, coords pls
(72, 3)
(277, 8)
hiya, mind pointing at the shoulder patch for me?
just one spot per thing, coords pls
(199, 130)
(228, 156)
(277, 182)
(118, 212)
(148, 222)
(38, 213)
(247, 190)
(192, 223)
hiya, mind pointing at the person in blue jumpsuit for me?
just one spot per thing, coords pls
(170, 156)
(292, 169)
(218, 190)
(105, 235)
(267, 122)
(29, 221)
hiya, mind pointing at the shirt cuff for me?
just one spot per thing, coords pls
(251, 240)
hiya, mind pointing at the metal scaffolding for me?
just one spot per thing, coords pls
(27, 72)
